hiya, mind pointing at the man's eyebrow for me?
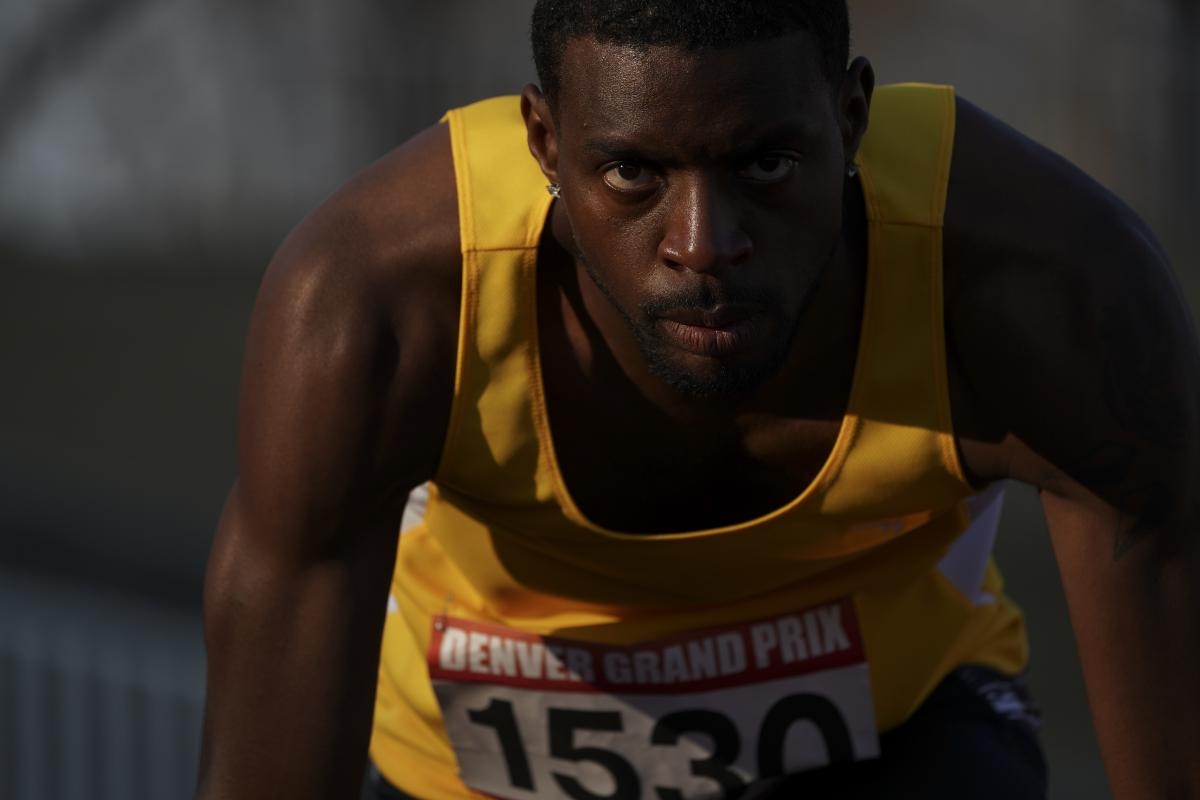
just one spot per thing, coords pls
(793, 131)
(744, 145)
(616, 149)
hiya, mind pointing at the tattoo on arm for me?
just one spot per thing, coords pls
(1143, 507)
(1154, 503)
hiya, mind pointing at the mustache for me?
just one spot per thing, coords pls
(708, 297)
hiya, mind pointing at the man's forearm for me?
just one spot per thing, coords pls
(293, 654)
(1135, 620)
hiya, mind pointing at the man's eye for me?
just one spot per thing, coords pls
(628, 176)
(768, 169)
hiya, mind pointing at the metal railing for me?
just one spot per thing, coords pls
(101, 696)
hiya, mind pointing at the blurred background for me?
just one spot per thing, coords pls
(152, 156)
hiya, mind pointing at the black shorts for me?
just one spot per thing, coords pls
(974, 737)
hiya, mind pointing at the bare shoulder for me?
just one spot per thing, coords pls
(351, 352)
(385, 243)
(1070, 339)
(1017, 210)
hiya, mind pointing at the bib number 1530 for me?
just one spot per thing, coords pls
(564, 724)
(588, 747)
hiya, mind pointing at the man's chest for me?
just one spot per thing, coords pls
(627, 473)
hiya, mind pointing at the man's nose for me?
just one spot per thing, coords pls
(703, 228)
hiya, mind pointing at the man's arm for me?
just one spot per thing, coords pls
(346, 390)
(1080, 347)
(1121, 493)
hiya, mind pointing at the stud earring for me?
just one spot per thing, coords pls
(851, 170)
(555, 190)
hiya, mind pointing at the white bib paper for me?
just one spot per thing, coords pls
(695, 716)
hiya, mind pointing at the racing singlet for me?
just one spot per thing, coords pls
(530, 653)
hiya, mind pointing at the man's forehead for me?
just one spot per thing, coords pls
(616, 89)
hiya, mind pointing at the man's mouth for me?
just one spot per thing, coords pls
(720, 331)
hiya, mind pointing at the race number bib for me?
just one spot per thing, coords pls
(696, 716)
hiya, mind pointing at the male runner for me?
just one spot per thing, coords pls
(713, 392)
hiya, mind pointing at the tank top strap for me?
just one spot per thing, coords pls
(502, 201)
(900, 401)
(491, 444)
(906, 170)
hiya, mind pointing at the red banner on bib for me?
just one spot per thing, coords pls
(820, 638)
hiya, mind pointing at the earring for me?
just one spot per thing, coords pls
(851, 170)
(555, 190)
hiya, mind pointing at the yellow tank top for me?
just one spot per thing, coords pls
(503, 543)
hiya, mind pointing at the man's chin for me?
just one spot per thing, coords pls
(714, 380)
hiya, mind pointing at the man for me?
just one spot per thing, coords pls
(711, 392)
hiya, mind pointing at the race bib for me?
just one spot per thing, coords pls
(695, 716)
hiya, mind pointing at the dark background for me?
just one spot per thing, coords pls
(152, 155)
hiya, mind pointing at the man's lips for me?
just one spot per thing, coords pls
(723, 316)
(721, 331)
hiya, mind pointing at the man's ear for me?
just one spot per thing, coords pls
(539, 130)
(854, 104)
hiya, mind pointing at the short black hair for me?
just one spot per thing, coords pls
(686, 23)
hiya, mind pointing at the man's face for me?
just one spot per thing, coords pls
(704, 194)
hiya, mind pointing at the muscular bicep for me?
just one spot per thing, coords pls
(1120, 406)
(316, 384)
(340, 416)
(349, 364)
